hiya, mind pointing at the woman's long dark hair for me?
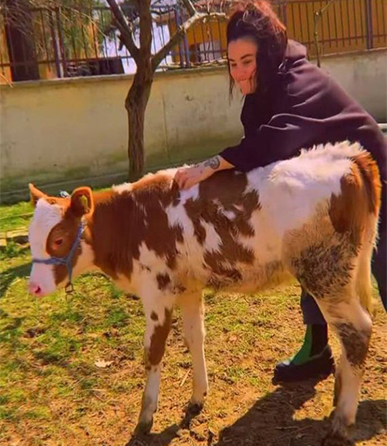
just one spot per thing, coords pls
(257, 20)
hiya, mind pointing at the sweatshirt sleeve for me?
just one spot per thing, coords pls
(281, 138)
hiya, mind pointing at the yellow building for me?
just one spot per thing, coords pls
(64, 44)
(344, 26)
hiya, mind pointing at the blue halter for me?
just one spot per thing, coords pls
(67, 260)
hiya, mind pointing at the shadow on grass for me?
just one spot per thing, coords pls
(270, 422)
(10, 275)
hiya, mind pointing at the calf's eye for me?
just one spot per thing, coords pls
(58, 241)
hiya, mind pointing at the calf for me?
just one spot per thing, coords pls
(313, 217)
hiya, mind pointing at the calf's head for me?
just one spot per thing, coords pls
(55, 235)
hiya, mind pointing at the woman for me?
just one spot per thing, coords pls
(290, 104)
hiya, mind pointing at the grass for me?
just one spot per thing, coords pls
(53, 393)
(15, 216)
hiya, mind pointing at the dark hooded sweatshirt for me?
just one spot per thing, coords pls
(304, 107)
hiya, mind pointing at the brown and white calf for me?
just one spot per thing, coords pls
(313, 217)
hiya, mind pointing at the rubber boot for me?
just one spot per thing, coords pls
(313, 361)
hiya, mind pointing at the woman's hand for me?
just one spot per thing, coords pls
(187, 177)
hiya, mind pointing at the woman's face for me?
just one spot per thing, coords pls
(243, 64)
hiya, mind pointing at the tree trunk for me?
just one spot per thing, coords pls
(135, 104)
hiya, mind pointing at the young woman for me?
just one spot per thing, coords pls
(290, 104)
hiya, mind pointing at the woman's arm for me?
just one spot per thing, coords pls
(187, 177)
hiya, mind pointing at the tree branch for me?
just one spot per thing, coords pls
(181, 31)
(190, 7)
(145, 28)
(126, 33)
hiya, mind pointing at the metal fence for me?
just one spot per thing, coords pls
(64, 42)
(44, 43)
(345, 25)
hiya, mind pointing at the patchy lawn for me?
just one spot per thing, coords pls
(15, 216)
(71, 370)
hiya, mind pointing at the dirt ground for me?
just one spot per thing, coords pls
(295, 415)
(54, 395)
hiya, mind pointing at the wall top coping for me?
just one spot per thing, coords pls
(197, 71)
(111, 77)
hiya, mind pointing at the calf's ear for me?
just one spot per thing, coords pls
(35, 194)
(82, 201)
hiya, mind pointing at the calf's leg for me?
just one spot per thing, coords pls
(353, 325)
(194, 332)
(158, 324)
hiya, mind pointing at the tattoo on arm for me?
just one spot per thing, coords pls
(214, 163)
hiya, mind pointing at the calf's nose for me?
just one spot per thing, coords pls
(34, 289)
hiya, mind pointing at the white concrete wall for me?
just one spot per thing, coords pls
(55, 131)
(364, 77)
(77, 128)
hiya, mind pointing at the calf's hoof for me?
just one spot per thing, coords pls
(191, 411)
(336, 439)
(143, 428)
(194, 408)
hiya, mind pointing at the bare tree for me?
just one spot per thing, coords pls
(130, 17)
(139, 92)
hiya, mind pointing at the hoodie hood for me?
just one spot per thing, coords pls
(295, 51)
